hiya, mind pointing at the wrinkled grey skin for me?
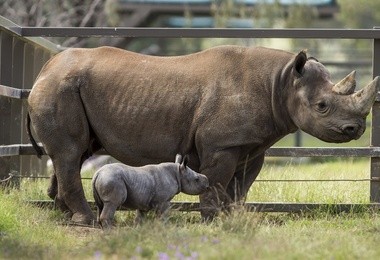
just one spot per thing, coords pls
(223, 106)
(143, 188)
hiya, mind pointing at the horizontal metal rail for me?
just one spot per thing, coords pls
(153, 32)
(256, 206)
(257, 180)
(27, 149)
(17, 149)
(323, 152)
(24, 93)
(10, 27)
(14, 92)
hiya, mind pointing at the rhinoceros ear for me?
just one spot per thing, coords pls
(299, 63)
(185, 160)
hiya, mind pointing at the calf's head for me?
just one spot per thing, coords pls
(191, 182)
(330, 112)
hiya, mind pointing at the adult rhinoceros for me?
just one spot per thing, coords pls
(220, 105)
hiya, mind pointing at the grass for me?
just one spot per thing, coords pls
(328, 191)
(37, 233)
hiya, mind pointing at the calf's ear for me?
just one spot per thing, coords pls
(185, 161)
(299, 63)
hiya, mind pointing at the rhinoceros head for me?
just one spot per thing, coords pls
(330, 112)
(192, 183)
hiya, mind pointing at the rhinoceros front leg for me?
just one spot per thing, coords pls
(140, 216)
(162, 210)
(219, 167)
(243, 178)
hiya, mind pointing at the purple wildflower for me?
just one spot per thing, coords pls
(163, 256)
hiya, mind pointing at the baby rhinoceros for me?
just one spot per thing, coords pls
(143, 188)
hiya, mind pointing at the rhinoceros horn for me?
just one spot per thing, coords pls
(364, 98)
(347, 85)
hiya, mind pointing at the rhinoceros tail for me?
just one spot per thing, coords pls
(34, 143)
(98, 201)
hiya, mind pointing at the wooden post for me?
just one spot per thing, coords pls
(375, 133)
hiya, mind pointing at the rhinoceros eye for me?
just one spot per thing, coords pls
(322, 107)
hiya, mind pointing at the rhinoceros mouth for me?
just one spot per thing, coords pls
(342, 134)
(337, 135)
(354, 131)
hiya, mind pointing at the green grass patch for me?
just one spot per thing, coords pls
(29, 232)
(343, 181)
(26, 231)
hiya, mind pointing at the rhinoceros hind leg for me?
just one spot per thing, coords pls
(70, 189)
(53, 194)
(62, 127)
(53, 187)
(107, 215)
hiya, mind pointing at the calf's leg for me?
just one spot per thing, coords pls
(106, 218)
(162, 210)
(140, 216)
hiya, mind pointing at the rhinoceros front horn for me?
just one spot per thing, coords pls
(365, 98)
(347, 85)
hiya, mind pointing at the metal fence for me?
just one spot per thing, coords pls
(21, 59)
(23, 53)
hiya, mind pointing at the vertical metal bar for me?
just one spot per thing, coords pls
(5, 103)
(46, 56)
(38, 61)
(16, 105)
(298, 138)
(27, 77)
(375, 133)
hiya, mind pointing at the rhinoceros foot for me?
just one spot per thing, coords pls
(80, 218)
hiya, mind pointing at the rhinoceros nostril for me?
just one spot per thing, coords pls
(351, 130)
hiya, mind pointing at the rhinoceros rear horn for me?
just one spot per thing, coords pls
(365, 98)
(347, 85)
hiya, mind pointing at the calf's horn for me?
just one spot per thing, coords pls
(178, 158)
(365, 98)
(347, 85)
